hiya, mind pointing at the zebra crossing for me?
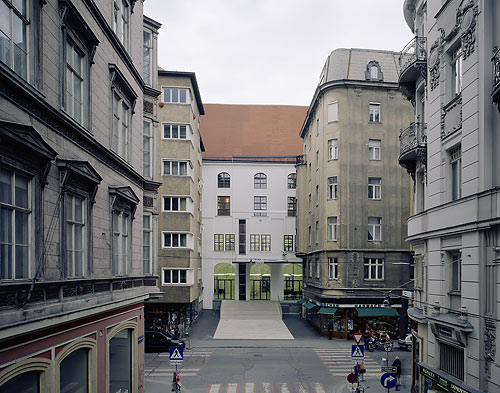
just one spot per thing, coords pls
(268, 387)
(196, 360)
(338, 361)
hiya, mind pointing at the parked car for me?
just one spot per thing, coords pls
(405, 342)
(156, 341)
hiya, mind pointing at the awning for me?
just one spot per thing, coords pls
(301, 301)
(377, 312)
(327, 310)
(309, 305)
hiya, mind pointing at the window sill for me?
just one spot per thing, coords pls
(452, 102)
(374, 199)
(455, 292)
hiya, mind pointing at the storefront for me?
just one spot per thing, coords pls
(437, 381)
(379, 319)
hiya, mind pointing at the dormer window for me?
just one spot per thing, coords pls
(374, 72)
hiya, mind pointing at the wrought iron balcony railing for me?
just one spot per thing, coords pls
(414, 53)
(495, 94)
(413, 137)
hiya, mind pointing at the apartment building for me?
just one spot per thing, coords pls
(75, 199)
(450, 72)
(178, 167)
(249, 203)
(353, 198)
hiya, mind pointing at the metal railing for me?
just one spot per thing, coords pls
(496, 72)
(415, 50)
(413, 137)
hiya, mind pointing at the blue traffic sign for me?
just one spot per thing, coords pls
(388, 380)
(358, 351)
(176, 354)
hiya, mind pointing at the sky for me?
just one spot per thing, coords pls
(268, 51)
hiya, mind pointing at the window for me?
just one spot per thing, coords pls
(333, 112)
(176, 131)
(265, 242)
(317, 194)
(147, 53)
(332, 187)
(317, 160)
(310, 236)
(260, 180)
(242, 237)
(121, 16)
(374, 188)
(260, 205)
(175, 168)
(451, 360)
(74, 77)
(121, 114)
(316, 233)
(147, 143)
(333, 149)
(175, 204)
(15, 221)
(374, 269)
(74, 372)
(374, 149)
(374, 229)
(333, 268)
(456, 172)
(175, 240)
(229, 242)
(14, 22)
(374, 72)
(310, 262)
(374, 113)
(121, 242)
(147, 238)
(288, 243)
(120, 361)
(74, 212)
(292, 206)
(254, 242)
(292, 181)
(175, 276)
(218, 242)
(317, 126)
(223, 180)
(456, 273)
(223, 206)
(176, 95)
(318, 267)
(456, 72)
(332, 228)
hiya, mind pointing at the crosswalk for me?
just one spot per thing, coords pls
(196, 359)
(338, 362)
(268, 387)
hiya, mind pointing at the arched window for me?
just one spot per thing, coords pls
(374, 72)
(260, 180)
(223, 180)
(292, 181)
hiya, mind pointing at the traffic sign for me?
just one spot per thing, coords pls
(388, 380)
(388, 346)
(176, 355)
(352, 378)
(357, 337)
(358, 351)
(389, 369)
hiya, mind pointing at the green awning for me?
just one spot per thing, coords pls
(377, 312)
(327, 310)
(309, 305)
(301, 301)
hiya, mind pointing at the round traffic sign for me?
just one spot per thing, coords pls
(352, 378)
(388, 380)
(388, 346)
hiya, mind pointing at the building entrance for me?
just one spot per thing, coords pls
(260, 282)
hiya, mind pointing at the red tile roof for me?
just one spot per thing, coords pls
(251, 130)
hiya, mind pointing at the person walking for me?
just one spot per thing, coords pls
(397, 363)
(330, 330)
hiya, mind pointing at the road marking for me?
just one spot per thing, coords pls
(168, 374)
(232, 388)
(318, 387)
(214, 388)
(284, 387)
(249, 387)
(267, 387)
(301, 388)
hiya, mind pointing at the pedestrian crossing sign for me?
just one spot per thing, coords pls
(358, 351)
(176, 355)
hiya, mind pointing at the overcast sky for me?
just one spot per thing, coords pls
(268, 51)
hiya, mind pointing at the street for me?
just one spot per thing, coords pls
(308, 364)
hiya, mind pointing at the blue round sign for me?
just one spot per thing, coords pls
(388, 380)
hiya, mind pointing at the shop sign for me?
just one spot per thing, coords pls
(443, 382)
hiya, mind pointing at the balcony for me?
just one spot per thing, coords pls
(413, 146)
(495, 94)
(413, 63)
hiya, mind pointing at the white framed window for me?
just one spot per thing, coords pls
(176, 240)
(318, 267)
(177, 204)
(121, 121)
(374, 228)
(177, 131)
(229, 241)
(121, 16)
(288, 243)
(177, 276)
(374, 269)
(456, 271)
(292, 181)
(147, 243)
(455, 156)
(332, 187)
(147, 148)
(14, 24)
(218, 242)
(332, 229)
(374, 149)
(176, 95)
(176, 168)
(456, 72)
(121, 242)
(254, 242)
(374, 72)
(15, 221)
(374, 188)
(260, 205)
(223, 180)
(260, 180)
(333, 268)
(291, 206)
(74, 213)
(374, 112)
(223, 205)
(265, 243)
(333, 111)
(333, 149)
(147, 53)
(74, 80)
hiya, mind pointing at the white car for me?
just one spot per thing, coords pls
(405, 342)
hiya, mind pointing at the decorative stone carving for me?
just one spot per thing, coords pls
(489, 345)
(466, 20)
(379, 75)
(434, 60)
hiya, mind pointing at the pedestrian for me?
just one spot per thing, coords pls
(330, 330)
(397, 363)
(361, 371)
